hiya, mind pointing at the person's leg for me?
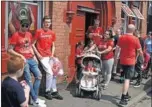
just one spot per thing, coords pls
(108, 66)
(129, 72)
(27, 77)
(138, 69)
(55, 93)
(104, 73)
(37, 74)
(49, 76)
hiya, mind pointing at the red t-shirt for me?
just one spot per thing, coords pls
(104, 45)
(23, 43)
(87, 68)
(44, 41)
(79, 51)
(98, 30)
(129, 45)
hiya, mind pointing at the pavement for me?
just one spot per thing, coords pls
(110, 96)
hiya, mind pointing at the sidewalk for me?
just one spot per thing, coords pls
(110, 97)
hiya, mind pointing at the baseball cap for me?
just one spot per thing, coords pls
(24, 21)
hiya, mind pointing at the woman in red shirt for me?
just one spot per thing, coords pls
(105, 48)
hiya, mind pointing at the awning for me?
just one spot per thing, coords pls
(137, 13)
(127, 10)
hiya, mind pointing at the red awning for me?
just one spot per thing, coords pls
(127, 10)
(137, 13)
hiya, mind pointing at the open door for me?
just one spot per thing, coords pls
(77, 35)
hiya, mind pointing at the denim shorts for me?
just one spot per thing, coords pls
(128, 71)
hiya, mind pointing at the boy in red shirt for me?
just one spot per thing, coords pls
(129, 44)
(44, 40)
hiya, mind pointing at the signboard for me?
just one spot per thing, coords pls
(21, 10)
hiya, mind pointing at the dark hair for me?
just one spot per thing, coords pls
(45, 17)
(110, 33)
(150, 33)
(14, 64)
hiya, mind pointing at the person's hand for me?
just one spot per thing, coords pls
(40, 57)
(25, 86)
(23, 58)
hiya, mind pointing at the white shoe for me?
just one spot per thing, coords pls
(39, 104)
(40, 101)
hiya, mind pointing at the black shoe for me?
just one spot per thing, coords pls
(123, 102)
(127, 97)
(48, 95)
(137, 84)
(56, 95)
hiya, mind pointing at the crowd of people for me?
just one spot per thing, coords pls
(128, 54)
(26, 53)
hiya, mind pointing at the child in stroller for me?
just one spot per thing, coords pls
(89, 82)
(89, 72)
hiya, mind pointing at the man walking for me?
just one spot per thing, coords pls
(129, 45)
(44, 40)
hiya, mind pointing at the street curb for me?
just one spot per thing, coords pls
(138, 97)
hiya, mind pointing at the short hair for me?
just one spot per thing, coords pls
(45, 17)
(131, 28)
(14, 64)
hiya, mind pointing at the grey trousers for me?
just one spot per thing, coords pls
(107, 69)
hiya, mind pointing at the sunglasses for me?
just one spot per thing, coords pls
(25, 25)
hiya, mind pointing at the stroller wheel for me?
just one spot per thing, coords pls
(77, 93)
(94, 95)
(81, 93)
(99, 94)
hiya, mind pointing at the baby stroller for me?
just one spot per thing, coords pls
(146, 65)
(90, 80)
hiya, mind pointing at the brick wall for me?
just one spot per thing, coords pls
(144, 22)
(46, 7)
(118, 15)
(62, 33)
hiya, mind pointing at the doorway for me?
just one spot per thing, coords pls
(89, 21)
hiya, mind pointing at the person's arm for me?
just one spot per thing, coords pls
(36, 51)
(91, 48)
(26, 93)
(53, 49)
(12, 52)
(139, 50)
(106, 50)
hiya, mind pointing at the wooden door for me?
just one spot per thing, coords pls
(77, 35)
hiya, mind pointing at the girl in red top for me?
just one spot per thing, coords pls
(79, 53)
(105, 48)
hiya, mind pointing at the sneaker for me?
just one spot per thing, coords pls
(137, 85)
(39, 104)
(40, 101)
(56, 95)
(48, 95)
(123, 102)
(131, 81)
(104, 86)
(127, 97)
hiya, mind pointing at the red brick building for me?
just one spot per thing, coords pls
(70, 20)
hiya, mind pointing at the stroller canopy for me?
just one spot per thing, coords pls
(91, 57)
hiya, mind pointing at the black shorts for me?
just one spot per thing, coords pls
(128, 71)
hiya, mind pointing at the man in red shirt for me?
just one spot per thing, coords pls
(129, 45)
(44, 40)
(21, 45)
(94, 32)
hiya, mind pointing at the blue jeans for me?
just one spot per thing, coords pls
(32, 66)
